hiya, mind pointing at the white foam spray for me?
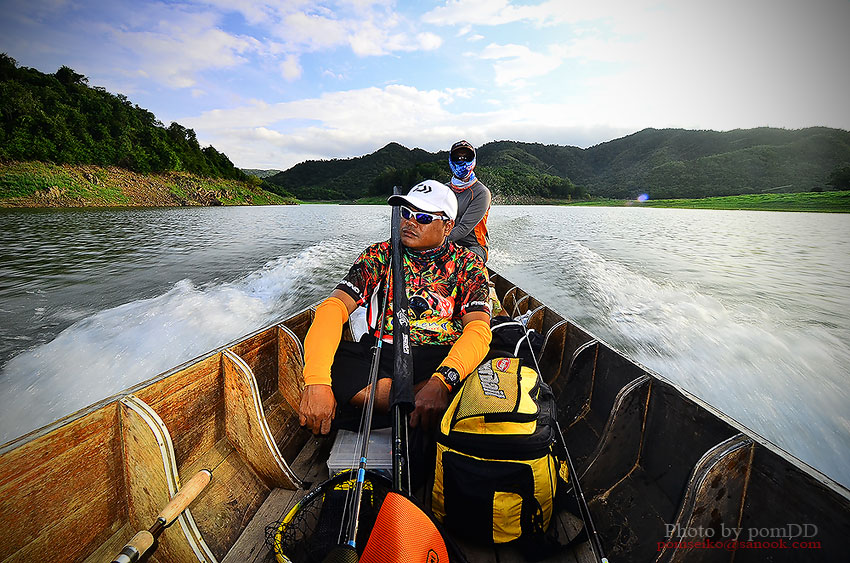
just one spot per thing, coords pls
(114, 349)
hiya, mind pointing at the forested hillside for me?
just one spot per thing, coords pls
(510, 174)
(58, 118)
(667, 163)
(348, 178)
(259, 173)
(678, 163)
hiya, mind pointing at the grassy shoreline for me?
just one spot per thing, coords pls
(821, 202)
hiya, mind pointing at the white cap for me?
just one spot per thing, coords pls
(431, 196)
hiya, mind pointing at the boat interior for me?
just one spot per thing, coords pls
(650, 459)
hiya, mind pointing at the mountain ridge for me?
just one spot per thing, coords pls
(664, 163)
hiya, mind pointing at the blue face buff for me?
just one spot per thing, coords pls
(461, 168)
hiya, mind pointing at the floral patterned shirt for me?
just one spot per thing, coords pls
(443, 284)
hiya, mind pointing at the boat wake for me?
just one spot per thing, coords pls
(114, 349)
(760, 364)
(770, 372)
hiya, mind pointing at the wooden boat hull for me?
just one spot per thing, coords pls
(651, 458)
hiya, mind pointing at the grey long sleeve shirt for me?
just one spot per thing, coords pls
(470, 230)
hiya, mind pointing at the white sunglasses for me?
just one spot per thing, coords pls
(421, 217)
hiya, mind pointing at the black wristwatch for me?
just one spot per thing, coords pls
(450, 376)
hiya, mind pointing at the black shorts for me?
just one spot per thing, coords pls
(353, 360)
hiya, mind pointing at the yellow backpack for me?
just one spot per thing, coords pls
(497, 469)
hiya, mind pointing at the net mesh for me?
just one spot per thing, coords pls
(313, 527)
(495, 389)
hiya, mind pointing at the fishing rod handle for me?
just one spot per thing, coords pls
(185, 497)
(135, 548)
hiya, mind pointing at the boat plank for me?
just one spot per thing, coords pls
(300, 323)
(191, 404)
(260, 353)
(113, 546)
(71, 478)
(93, 529)
(224, 508)
(283, 423)
(246, 425)
(250, 546)
(151, 479)
(552, 356)
(290, 365)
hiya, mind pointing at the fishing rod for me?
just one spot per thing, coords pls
(402, 389)
(402, 532)
(595, 543)
(346, 551)
(144, 540)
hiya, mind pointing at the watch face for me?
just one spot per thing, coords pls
(451, 375)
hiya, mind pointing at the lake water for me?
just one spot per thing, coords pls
(750, 311)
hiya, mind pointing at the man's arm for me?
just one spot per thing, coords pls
(318, 405)
(472, 216)
(464, 356)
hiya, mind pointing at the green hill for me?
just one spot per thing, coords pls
(672, 163)
(347, 178)
(666, 163)
(58, 118)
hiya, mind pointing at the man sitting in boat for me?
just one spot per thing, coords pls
(449, 329)
(473, 201)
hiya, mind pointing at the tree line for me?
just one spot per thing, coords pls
(59, 118)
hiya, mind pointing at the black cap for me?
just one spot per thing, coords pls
(462, 145)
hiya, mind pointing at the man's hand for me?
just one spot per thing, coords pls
(317, 408)
(431, 402)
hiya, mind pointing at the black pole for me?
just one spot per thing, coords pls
(402, 399)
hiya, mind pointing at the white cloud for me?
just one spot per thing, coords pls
(176, 48)
(312, 32)
(487, 12)
(368, 27)
(552, 12)
(357, 122)
(290, 68)
(334, 75)
(428, 41)
(514, 63)
(175, 44)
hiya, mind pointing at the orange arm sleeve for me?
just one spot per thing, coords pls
(468, 351)
(322, 340)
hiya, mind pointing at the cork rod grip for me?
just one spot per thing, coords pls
(185, 496)
(135, 548)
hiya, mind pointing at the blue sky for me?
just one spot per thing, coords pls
(275, 83)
